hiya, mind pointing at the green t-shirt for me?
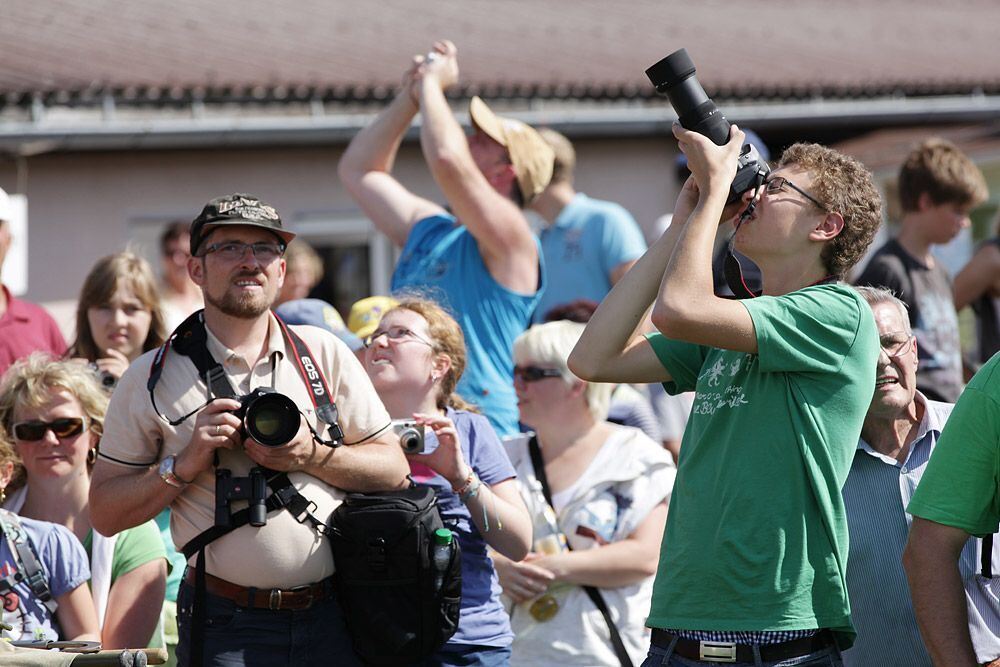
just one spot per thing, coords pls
(757, 533)
(960, 484)
(134, 547)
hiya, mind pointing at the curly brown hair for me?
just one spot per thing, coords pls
(844, 186)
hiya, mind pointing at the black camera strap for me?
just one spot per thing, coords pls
(190, 339)
(592, 591)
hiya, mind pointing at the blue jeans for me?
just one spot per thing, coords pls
(241, 637)
(665, 657)
(468, 655)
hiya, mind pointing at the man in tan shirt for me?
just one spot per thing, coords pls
(268, 588)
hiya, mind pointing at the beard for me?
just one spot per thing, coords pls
(243, 306)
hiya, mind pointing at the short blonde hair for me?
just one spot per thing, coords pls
(31, 381)
(551, 344)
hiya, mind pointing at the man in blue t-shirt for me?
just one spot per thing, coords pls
(478, 258)
(588, 244)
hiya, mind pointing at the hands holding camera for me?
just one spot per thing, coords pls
(439, 65)
(447, 459)
(712, 169)
(218, 426)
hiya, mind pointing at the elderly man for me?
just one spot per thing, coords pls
(479, 258)
(262, 594)
(899, 435)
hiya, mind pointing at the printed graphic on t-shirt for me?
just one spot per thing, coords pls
(13, 613)
(717, 387)
(599, 518)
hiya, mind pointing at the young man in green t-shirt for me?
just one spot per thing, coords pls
(752, 564)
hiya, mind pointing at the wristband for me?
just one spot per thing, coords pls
(472, 491)
(465, 485)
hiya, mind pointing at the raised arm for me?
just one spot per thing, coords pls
(931, 564)
(686, 307)
(980, 276)
(612, 348)
(505, 240)
(366, 166)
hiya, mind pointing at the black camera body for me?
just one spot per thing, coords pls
(106, 379)
(674, 76)
(270, 418)
(410, 434)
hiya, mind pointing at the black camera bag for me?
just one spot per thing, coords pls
(382, 548)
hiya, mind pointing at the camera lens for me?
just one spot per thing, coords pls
(410, 440)
(674, 77)
(272, 419)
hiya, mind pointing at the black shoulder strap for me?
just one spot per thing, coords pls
(22, 548)
(283, 494)
(986, 556)
(592, 592)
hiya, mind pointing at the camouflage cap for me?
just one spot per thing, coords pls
(236, 209)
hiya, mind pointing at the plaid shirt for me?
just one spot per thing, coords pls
(744, 636)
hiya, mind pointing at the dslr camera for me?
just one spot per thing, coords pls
(270, 418)
(410, 434)
(674, 77)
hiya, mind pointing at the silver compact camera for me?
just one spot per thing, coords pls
(410, 434)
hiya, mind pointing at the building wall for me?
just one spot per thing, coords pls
(82, 206)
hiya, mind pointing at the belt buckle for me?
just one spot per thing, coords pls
(274, 599)
(711, 651)
(308, 589)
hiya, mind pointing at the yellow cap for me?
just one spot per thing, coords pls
(366, 314)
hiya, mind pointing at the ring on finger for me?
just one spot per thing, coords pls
(218, 429)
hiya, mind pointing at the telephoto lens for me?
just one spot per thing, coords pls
(674, 77)
(270, 418)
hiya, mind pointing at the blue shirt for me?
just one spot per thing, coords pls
(585, 243)
(483, 619)
(878, 489)
(65, 564)
(441, 261)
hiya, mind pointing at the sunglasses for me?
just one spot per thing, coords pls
(534, 373)
(67, 427)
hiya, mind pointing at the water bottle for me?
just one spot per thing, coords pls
(441, 556)
(549, 540)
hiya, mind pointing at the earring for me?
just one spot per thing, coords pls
(92, 456)
(3, 495)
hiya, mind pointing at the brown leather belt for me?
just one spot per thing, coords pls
(716, 651)
(291, 599)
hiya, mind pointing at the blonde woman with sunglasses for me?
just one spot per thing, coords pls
(53, 412)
